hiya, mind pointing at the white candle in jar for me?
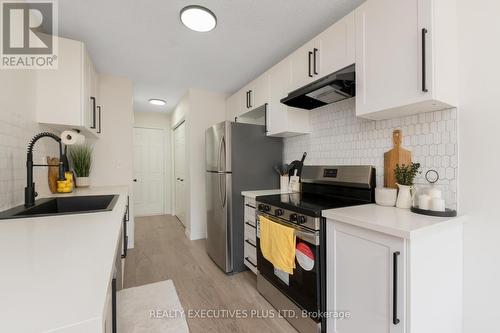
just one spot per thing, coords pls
(434, 193)
(424, 201)
(438, 205)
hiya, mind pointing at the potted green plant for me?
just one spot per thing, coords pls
(405, 178)
(81, 158)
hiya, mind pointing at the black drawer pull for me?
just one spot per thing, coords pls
(309, 55)
(250, 206)
(251, 263)
(395, 319)
(248, 241)
(315, 68)
(251, 225)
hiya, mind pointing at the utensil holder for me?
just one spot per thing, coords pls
(284, 183)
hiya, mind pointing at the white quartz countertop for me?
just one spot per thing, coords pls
(389, 220)
(255, 194)
(55, 271)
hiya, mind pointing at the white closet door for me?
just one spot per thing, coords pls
(180, 172)
(149, 170)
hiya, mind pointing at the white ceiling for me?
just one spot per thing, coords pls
(145, 41)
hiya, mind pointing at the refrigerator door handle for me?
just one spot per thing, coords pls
(224, 189)
(219, 155)
(222, 157)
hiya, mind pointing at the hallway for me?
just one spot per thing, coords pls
(162, 252)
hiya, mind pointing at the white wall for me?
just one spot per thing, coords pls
(479, 161)
(112, 159)
(161, 121)
(200, 109)
(17, 126)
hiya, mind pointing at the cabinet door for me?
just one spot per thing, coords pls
(388, 55)
(279, 80)
(336, 46)
(258, 91)
(365, 276)
(234, 106)
(302, 62)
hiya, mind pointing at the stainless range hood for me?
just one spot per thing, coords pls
(329, 89)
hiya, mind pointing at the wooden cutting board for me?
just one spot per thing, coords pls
(53, 173)
(395, 156)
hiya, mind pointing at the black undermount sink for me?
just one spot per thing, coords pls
(63, 206)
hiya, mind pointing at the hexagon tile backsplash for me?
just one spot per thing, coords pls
(338, 137)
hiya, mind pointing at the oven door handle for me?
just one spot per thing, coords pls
(310, 236)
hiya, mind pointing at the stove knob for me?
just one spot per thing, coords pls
(301, 219)
(293, 217)
(278, 212)
(267, 208)
(260, 207)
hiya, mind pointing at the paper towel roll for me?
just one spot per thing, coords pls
(72, 138)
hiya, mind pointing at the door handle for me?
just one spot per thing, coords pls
(395, 319)
(249, 98)
(93, 112)
(309, 63)
(315, 54)
(424, 65)
(99, 131)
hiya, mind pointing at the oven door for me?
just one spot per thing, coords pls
(302, 286)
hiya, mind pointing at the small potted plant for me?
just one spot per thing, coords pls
(405, 177)
(81, 157)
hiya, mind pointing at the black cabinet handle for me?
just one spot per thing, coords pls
(395, 319)
(265, 119)
(93, 126)
(424, 71)
(135, 180)
(315, 69)
(250, 224)
(125, 237)
(100, 126)
(309, 63)
(252, 244)
(251, 263)
(113, 305)
(250, 98)
(127, 211)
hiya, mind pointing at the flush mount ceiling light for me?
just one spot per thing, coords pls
(156, 101)
(198, 18)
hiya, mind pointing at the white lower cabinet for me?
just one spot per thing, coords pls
(250, 246)
(389, 284)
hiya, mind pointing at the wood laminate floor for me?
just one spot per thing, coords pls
(163, 252)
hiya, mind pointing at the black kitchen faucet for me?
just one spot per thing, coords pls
(29, 191)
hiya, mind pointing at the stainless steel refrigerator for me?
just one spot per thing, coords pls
(239, 157)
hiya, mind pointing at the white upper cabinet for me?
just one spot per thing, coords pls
(406, 57)
(256, 93)
(329, 52)
(66, 95)
(304, 64)
(336, 46)
(234, 105)
(282, 120)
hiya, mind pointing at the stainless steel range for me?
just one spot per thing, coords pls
(302, 295)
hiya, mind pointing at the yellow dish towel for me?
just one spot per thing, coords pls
(277, 243)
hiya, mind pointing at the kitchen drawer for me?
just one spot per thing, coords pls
(251, 257)
(251, 264)
(250, 250)
(250, 232)
(250, 202)
(249, 214)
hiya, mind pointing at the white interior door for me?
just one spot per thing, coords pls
(180, 172)
(149, 171)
